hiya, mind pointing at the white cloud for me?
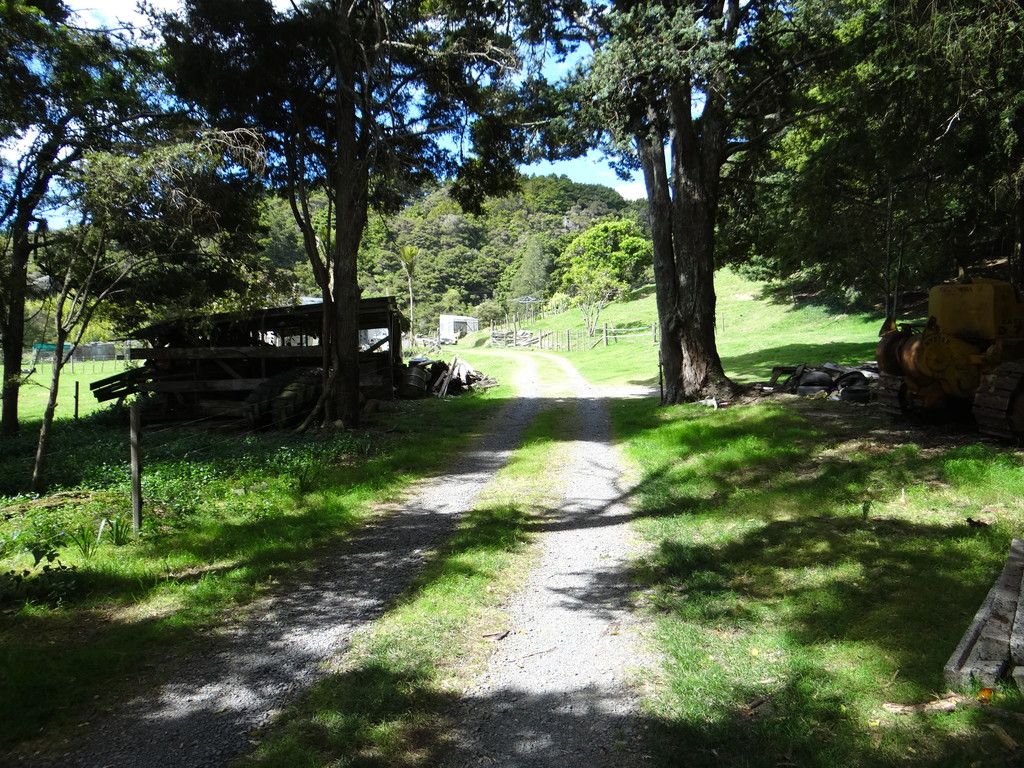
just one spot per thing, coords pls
(632, 190)
(108, 13)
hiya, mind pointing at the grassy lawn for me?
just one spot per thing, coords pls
(391, 701)
(33, 395)
(753, 335)
(227, 516)
(808, 566)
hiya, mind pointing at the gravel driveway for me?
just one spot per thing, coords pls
(555, 692)
(206, 716)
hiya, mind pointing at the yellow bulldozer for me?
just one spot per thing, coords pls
(971, 352)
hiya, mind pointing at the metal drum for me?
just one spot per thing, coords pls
(414, 382)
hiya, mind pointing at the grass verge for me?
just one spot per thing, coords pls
(391, 700)
(807, 567)
(227, 517)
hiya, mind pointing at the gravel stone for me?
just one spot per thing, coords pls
(556, 691)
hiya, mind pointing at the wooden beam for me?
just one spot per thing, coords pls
(226, 353)
(210, 385)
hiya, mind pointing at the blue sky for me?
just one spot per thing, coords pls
(590, 169)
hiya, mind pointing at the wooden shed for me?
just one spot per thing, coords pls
(262, 366)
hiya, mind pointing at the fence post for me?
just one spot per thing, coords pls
(606, 334)
(135, 440)
(568, 340)
(654, 332)
(76, 399)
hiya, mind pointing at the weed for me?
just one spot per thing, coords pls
(118, 530)
(84, 541)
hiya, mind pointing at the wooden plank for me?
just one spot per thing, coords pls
(1017, 633)
(983, 654)
(135, 443)
(226, 353)
(209, 385)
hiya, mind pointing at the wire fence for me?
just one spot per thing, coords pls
(575, 339)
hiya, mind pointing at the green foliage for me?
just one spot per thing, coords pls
(909, 171)
(506, 251)
(600, 263)
(118, 529)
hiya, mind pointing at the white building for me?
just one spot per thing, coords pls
(454, 327)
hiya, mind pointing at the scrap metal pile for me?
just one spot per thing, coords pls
(855, 384)
(436, 377)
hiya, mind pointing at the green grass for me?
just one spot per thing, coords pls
(392, 700)
(754, 334)
(226, 516)
(803, 573)
(33, 395)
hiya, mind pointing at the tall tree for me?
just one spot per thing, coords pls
(136, 212)
(360, 100)
(600, 263)
(407, 256)
(64, 90)
(681, 88)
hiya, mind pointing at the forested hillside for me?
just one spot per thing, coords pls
(466, 262)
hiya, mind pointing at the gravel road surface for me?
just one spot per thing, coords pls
(555, 692)
(206, 716)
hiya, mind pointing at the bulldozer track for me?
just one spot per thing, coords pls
(889, 394)
(995, 403)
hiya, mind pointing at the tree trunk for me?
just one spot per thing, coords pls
(1017, 251)
(701, 373)
(14, 329)
(412, 322)
(652, 161)
(350, 182)
(38, 470)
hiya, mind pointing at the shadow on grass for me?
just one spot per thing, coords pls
(198, 560)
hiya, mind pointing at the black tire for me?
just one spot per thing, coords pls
(258, 407)
(297, 398)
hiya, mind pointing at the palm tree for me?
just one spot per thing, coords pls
(408, 254)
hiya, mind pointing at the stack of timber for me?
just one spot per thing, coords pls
(262, 367)
(993, 645)
(120, 385)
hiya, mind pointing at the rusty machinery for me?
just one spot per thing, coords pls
(970, 351)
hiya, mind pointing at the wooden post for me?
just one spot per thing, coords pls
(654, 332)
(661, 378)
(76, 399)
(606, 334)
(135, 440)
(568, 340)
